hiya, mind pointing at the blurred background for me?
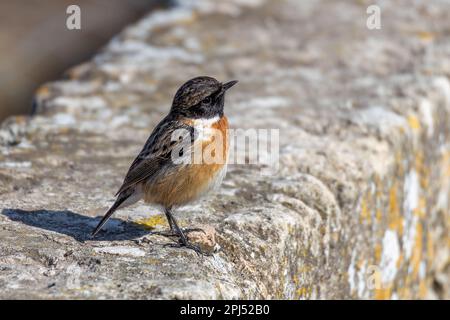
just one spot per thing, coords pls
(36, 46)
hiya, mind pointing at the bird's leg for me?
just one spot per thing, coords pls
(169, 219)
(173, 230)
(183, 241)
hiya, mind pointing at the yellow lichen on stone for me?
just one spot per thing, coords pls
(423, 289)
(393, 206)
(422, 170)
(404, 292)
(383, 293)
(421, 208)
(446, 163)
(379, 215)
(290, 229)
(152, 222)
(414, 123)
(399, 261)
(303, 292)
(279, 293)
(377, 253)
(425, 35)
(424, 181)
(303, 269)
(399, 161)
(430, 249)
(400, 226)
(360, 263)
(365, 212)
(152, 261)
(296, 285)
(394, 218)
(295, 280)
(323, 230)
(378, 186)
(417, 251)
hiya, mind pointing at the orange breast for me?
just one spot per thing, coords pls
(222, 127)
(191, 181)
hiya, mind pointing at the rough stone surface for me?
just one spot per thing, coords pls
(358, 209)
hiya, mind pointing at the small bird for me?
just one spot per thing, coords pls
(160, 173)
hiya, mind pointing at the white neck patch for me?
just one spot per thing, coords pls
(204, 127)
(205, 122)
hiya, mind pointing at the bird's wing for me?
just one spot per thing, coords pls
(157, 153)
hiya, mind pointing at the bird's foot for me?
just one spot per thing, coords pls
(174, 233)
(188, 245)
(182, 239)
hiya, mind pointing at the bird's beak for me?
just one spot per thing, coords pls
(228, 85)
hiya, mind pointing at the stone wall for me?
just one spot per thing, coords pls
(358, 209)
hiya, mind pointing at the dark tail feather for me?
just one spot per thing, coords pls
(109, 213)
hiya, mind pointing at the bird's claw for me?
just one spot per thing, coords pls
(173, 233)
(188, 245)
(182, 240)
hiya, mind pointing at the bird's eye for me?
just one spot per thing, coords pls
(207, 100)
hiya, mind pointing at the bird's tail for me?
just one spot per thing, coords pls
(122, 197)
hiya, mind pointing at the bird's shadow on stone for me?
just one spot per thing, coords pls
(76, 225)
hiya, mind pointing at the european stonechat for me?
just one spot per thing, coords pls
(167, 171)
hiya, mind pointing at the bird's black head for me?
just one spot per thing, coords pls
(201, 97)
